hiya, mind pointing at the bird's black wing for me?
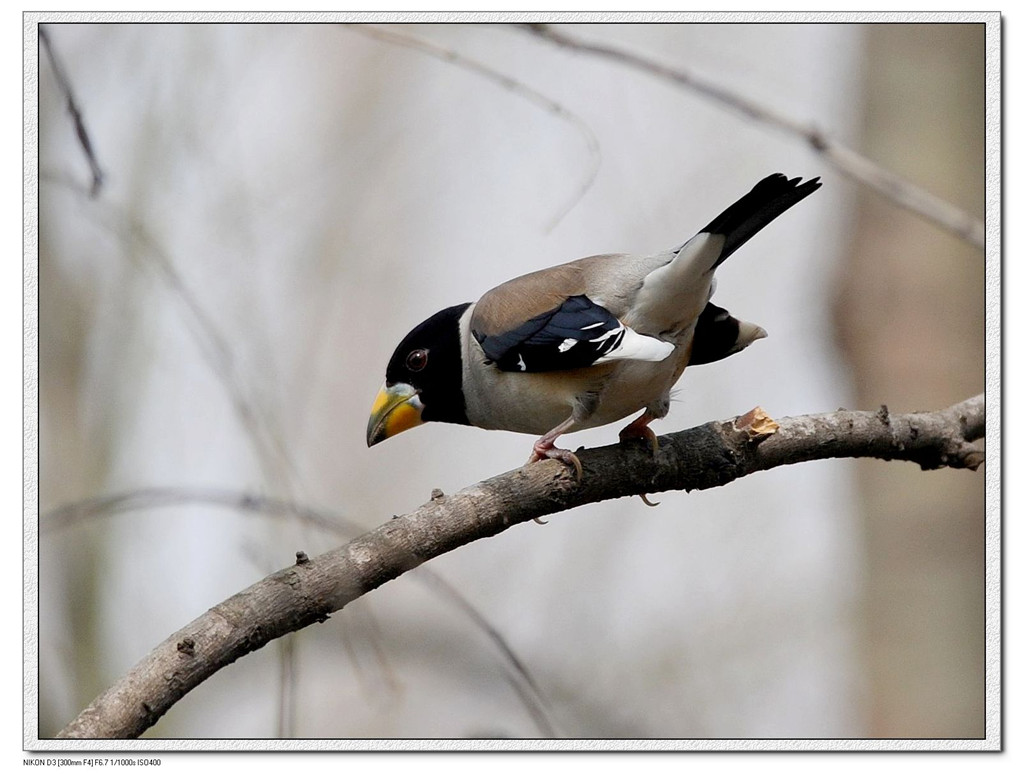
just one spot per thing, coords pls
(575, 334)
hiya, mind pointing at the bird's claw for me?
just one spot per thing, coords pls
(544, 452)
(643, 432)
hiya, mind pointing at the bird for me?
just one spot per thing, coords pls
(582, 344)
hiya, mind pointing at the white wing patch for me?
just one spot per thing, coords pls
(635, 346)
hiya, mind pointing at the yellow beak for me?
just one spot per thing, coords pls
(396, 408)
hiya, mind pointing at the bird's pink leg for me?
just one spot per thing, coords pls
(638, 429)
(544, 448)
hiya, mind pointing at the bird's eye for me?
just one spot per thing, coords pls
(416, 360)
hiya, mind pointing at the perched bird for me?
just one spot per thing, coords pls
(578, 345)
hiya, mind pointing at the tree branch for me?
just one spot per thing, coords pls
(150, 498)
(846, 160)
(703, 457)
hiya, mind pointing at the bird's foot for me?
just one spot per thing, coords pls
(639, 429)
(548, 451)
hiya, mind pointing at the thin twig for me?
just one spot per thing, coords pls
(703, 457)
(844, 159)
(64, 83)
(507, 82)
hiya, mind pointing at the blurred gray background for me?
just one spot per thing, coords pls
(282, 203)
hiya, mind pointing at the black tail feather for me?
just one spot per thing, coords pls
(763, 204)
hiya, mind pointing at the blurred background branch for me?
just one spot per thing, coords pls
(844, 159)
(507, 82)
(64, 83)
